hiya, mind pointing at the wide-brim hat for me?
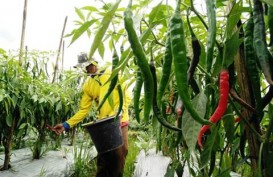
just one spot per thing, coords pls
(85, 64)
(83, 61)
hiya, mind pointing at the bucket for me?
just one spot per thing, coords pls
(105, 133)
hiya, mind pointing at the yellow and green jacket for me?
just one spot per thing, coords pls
(94, 90)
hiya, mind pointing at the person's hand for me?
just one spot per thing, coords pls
(59, 128)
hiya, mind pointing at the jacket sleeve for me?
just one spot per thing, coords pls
(85, 105)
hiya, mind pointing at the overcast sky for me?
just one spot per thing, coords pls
(45, 19)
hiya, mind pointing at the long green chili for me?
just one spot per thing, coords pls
(113, 82)
(166, 69)
(260, 41)
(270, 24)
(137, 93)
(141, 61)
(180, 63)
(251, 65)
(156, 110)
(210, 4)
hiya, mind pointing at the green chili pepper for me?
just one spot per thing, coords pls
(166, 70)
(270, 23)
(180, 64)
(251, 65)
(113, 81)
(120, 94)
(137, 92)
(157, 112)
(210, 4)
(141, 60)
(260, 41)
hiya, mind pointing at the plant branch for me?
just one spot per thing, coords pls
(156, 41)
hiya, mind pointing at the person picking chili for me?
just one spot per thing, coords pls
(94, 89)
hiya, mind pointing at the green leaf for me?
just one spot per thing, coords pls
(59, 106)
(154, 12)
(78, 32)
(90, 8)
(80, 14)
(233, 18)
(269, 2)
(101, 50)
(9, 120)
(190, 127)
(14, 100)
(34, 98)
(102, 29)
(231, 47)
(210, 145)
(228, 121)
(170, 171)
(217, 66)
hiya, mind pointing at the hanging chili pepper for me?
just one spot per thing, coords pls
(251, 66)
(113, 82)
(157, 112)
(180, 63)
(210, 4)
(120, 94)
(196, 47)
(259, 36)
(270, 23)
(166, 69)
(141, 61)
(137, 93)
(222, 105)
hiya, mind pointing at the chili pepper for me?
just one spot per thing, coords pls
(180, 63)
(113, 82)
(166, 70)
(210, 4)
(156, 110)
(120, 94)
(222, 105)
(196, 47)
(137, 92)
(260, 45)
(270, 23)
(251, 66)
(237, 119)
(141, 60)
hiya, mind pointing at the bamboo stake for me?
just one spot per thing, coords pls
(63, 56)
(58, 52)
(23, 33)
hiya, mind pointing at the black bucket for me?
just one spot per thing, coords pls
(105, 133)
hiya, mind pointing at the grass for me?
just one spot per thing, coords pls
(132, 154)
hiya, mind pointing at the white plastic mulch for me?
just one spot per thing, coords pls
(51, 164)
(152, 164)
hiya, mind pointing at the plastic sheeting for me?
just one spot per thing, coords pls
(152, 164)
(52, 164)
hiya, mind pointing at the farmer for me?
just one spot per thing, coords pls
(109, 164)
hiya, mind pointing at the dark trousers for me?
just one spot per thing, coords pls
(111, 164)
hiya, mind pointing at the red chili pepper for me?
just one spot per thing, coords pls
(222, 105)
(237, 119)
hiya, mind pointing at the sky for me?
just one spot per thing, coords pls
(44, 25)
